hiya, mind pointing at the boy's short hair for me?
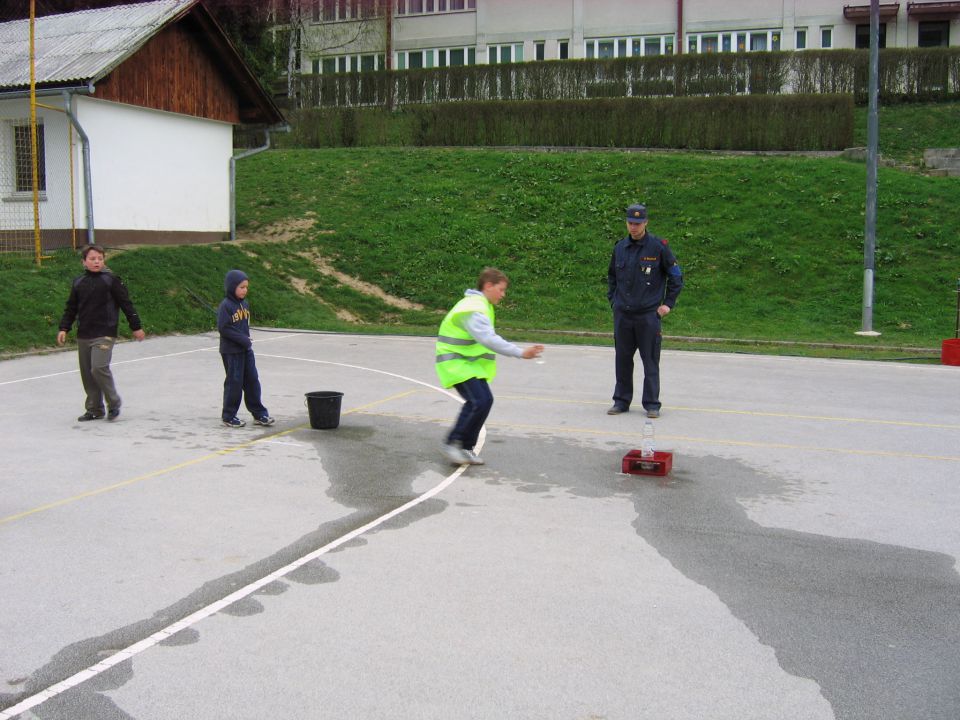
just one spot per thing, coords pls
(89, 248)
(490, 275)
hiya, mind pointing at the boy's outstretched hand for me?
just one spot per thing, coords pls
(532, 352)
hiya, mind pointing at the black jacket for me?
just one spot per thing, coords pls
(96, 298)
(643, 275)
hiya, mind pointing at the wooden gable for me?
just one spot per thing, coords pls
(173, 72)
(190, 67)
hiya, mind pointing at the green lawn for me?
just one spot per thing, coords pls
(771, 247)
(907, 129)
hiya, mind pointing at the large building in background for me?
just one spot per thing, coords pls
(357, 35)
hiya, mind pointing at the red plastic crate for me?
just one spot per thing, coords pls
(950, 352)
(635, 464)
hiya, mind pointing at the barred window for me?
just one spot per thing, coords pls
(23, 155)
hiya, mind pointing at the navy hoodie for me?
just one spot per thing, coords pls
(233, 317)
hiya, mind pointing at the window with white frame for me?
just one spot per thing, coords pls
(435, 57)
(23, 159)
(563, 49)
(826, 37)
(653, 45)
(348, 63)
(426, 7)
(505, 53)
(540, 50)
(801, 39)
(457, 57)
(741, 40)
(628, 46)
(343, 10)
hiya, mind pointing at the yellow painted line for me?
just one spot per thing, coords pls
(753, 413)
(381, 402)
(179, 466)
(145, 476)
(686, 438)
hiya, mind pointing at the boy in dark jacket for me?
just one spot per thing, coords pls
(236, 349)
(95, 298)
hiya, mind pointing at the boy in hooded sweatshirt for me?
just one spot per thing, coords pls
(236, 349)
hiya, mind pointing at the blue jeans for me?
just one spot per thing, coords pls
(241, 381)
(632, 334)
(473, 414)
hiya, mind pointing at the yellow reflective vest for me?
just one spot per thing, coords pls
(459, 356)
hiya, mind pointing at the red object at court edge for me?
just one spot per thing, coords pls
(635, 464)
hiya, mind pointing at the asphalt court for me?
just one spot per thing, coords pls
(798, 562)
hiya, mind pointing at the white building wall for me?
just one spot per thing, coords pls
(157, 171)
(435, 31)
(500, 22)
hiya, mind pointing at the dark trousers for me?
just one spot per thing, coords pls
(241, 381)
(473, 414)
(94, 355)
(631, 334)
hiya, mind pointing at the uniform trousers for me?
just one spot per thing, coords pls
(634, 333)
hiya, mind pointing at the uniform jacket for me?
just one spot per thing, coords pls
(643, 275)
(233, 317)
(96, 299)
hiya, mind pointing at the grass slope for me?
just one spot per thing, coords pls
(771, 247)
(907, 129)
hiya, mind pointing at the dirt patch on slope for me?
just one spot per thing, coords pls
(296, 229)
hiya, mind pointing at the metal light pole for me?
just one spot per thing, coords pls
(873, 136)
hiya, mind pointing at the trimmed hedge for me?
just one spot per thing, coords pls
(915, 74)
(785, 122)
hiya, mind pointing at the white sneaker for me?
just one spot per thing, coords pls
(473, 458)
(454, 453)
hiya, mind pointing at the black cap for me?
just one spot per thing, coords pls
(637, 213)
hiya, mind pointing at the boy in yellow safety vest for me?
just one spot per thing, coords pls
(466, 360)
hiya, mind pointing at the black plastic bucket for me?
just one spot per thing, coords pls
(324, 408)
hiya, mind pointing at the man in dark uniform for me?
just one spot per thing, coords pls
(643, 281)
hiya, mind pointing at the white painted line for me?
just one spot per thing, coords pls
(136, 360)
(215, 607)
(360, 367)
(219, 605)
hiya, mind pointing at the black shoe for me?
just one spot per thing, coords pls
(651, 413)
(113, 413)
(617, 409)
(89, 416)
(266, 421)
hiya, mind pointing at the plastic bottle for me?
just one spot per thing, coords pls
(646, 444)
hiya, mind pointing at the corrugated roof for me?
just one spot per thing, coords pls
(73, 48)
